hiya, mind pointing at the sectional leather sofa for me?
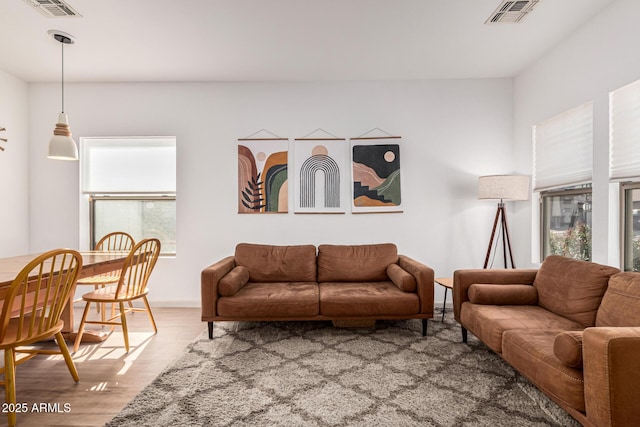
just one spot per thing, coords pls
(332, 282)
(571, 327)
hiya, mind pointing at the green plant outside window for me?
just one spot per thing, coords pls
(566, 223)
(631, 228)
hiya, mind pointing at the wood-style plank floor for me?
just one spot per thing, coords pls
(109, 377)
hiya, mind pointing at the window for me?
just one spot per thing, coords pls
(562, 169)
(566, 223)
(624, 164)
(563, 149)
(624, 132)
(130, 185)
(631, 226)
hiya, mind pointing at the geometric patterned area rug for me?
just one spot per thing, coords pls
(312, 374)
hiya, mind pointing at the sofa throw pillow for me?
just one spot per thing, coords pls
(621, 303)
(572, 288)
(401, 278)
(490, 294)
(355, 263)
(233, 281)
(567, 347)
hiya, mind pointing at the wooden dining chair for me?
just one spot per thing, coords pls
(31, 311)
(115, 241)
(131, 286)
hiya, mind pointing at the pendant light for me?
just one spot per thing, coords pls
(62, 146)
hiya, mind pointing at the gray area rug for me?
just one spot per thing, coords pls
(312, 374)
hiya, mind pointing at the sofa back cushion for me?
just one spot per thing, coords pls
(269, 263)
(355, 263)
(621, 303)
(572, 288)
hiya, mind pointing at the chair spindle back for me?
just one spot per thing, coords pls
(39, 294)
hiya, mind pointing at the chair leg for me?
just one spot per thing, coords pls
(464, 334)
(10, 383)
(113, 314)
(81, 327)
(125, 331)
(95, 288)
(153, 322)
(210, 327)
(67, 356)
(424, 327)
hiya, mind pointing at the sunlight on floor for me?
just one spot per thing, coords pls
(113, 348)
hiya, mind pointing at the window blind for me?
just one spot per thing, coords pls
(624, 132)
(128, 165)
(563, 149)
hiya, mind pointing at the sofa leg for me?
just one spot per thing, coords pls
(424, 327)
(210, 326)
(464, 334)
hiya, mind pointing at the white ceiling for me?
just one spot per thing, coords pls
(260, 40)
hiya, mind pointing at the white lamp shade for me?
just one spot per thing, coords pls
(62, 146)
(503, 187)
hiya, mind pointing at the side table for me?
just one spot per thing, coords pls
(446, 283)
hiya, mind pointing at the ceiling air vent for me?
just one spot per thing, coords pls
(53, 8)
(511, 12)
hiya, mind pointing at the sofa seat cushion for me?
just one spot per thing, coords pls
(531, 353)
(355, 263)
(276, 300)
(270, 263)
(489, 322)
(338, 299)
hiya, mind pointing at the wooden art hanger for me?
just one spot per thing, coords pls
(268, 136)
(367, 135)
(328, 136)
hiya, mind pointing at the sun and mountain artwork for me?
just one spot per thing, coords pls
(376, 175)
(262, 175)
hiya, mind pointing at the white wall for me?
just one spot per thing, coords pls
(599, 57)
(453, 131)
(14, 166)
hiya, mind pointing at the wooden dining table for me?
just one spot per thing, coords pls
(93, 263)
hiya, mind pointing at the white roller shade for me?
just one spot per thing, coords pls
(128, 165)
(563, 149)
(624, 132)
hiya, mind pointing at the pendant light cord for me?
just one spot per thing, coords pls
(62, 43)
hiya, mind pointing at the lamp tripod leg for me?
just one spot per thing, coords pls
(493, 234)
(506, 240)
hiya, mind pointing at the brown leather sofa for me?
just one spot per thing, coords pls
(340, 282)
(571, 327)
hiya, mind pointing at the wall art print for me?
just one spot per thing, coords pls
(320, 170)
(263, 175)
(375, 163)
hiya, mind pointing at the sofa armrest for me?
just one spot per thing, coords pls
(612, 375)
(209, 279)
(463, 279)
(424, 281)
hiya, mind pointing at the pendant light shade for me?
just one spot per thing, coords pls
(62, 146)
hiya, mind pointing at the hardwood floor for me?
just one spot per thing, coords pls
(109, 377)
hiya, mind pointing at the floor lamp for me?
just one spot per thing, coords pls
(502, 187)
